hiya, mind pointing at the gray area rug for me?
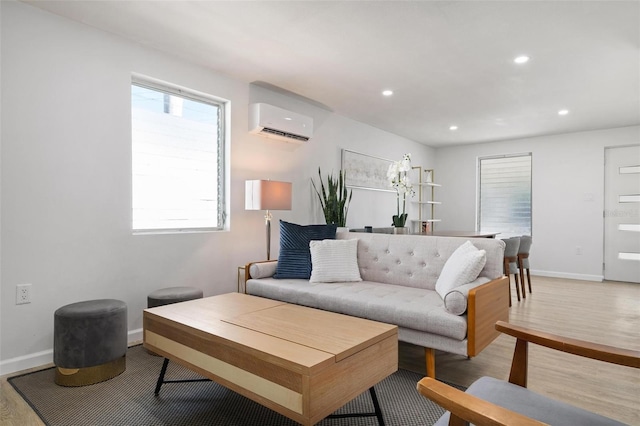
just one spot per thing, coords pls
(128, 399)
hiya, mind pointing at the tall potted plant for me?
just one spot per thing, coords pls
(334, 198)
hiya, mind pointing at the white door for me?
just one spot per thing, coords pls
(622, 214)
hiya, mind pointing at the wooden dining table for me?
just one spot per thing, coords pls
(462, 234)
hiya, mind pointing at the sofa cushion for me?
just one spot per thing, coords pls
(455, 301)
(334, 261)
(408, 307)
(462, 267)
(294, 260)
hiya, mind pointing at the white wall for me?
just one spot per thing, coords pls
(66, 178)
(568, 195)
(332, 133)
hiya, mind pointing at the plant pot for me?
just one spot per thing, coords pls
(342, 229)
(400, 230)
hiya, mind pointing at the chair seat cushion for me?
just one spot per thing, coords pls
(526, 402)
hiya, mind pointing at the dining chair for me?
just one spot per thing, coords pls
(511, 263)
(523, 260)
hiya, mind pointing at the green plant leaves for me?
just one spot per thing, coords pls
(334, 198)
(399, 220)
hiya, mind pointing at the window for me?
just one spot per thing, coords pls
(177, 159)
(504, 201)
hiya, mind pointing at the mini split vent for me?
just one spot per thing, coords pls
(277, 123)
(280, 134)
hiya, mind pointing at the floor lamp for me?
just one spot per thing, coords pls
(267, 195)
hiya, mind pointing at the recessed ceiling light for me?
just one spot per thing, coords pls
(387, 92)
(563, 112)
(523, 59)
(453, 127)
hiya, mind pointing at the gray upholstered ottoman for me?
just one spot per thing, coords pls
(166, 296)
(89, 341)
(169, 295)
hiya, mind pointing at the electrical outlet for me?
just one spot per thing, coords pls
(578, 250)
(23, 294)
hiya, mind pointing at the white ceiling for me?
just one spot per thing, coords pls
(448, 62)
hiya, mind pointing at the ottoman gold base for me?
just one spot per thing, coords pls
(90, 375)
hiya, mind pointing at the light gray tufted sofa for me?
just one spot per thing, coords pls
(399, 274)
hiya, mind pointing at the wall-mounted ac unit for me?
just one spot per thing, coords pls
(277, 123)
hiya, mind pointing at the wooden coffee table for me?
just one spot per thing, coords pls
(303, 363)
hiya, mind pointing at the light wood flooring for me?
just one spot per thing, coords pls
(607, 313)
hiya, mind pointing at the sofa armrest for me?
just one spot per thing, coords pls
(487, 304)
(262, 269)
(468, 408)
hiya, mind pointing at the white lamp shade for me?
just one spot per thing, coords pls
(267, 195)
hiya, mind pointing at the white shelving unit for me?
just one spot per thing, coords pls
(426, 202)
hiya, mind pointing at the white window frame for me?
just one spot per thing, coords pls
(511, 231)
(193, 95)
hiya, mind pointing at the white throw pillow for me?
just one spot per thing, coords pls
(334, 261)
(462, 267)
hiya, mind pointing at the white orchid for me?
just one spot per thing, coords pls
(398, 177)
(405, 164)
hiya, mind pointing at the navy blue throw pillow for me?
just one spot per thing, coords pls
(294, 260)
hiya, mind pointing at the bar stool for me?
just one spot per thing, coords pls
(523, 259)
(511, 263)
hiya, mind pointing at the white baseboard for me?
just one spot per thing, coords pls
(135, 335)
(567, 275)
(25, 362)
(42, 358)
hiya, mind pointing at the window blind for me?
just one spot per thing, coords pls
(177, 141)
(504, 202)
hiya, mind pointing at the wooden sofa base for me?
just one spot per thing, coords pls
(430, 358)
(487, 304)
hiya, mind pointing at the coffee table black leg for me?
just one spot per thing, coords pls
(161, 377)
(372, 392)
(376, 406)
